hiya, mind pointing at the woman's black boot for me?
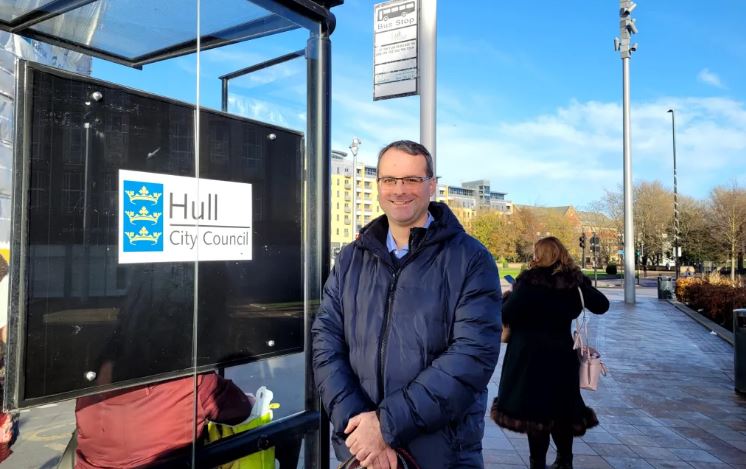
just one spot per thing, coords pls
(537, 463)
(562, 462)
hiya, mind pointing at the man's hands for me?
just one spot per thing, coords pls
(365, 442)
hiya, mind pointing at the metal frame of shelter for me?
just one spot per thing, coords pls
(284, 15)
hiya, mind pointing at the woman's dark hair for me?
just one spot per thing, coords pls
(550, 252)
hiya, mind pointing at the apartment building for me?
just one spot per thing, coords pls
(461, 200)
(351, 210)
(487, 199)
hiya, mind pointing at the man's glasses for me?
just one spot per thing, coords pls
(409, 181)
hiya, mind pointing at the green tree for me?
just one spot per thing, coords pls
(497, 232)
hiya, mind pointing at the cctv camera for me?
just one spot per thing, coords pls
(629, 23)
(97, 96)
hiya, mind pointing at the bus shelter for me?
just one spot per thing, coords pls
(171, 224)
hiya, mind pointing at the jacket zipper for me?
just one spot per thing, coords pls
(385, 331)
(387, 319)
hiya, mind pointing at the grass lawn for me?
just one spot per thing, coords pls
(589, 272)
(508, 271)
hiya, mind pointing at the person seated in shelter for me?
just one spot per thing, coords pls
(8, 421)
(139, 426)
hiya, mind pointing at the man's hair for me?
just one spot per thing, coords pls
(411, 148)
(550, 252)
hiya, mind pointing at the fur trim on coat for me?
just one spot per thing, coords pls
(551, 278)
(586, 420)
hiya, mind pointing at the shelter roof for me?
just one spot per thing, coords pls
(139, 32)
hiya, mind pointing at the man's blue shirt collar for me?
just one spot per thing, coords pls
(391, 244)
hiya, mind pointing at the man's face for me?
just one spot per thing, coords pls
(404, 204)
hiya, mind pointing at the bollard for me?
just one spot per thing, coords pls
(665, 288)
(739, 349)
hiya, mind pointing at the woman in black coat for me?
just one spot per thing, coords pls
(539, 387)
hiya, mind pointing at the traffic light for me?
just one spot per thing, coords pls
(595, 243)
(581, 241)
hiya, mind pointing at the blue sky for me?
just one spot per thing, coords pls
(529, 93)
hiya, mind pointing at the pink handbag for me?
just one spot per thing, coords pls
(591, 366)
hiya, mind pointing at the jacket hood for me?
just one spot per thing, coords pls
(548, 277)
(445, 225)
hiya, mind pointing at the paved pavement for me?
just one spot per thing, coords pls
(667, 402)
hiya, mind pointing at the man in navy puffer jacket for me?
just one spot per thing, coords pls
(408, 333)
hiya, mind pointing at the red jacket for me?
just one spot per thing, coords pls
(134, 427)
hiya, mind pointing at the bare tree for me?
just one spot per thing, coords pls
(727, 219)
(694, 232)
(652, 217)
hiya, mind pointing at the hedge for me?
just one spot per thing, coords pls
(714, 297)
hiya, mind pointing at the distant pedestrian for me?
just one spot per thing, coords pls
(539, 391)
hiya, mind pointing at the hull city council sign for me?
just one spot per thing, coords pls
(166, 218)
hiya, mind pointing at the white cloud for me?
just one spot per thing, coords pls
(567, 156)
(265, 111)
(710, 78)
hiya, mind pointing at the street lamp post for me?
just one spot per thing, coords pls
(675, 200)
(354, 147)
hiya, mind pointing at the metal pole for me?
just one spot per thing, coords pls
(625, 47)
(316, 234)
(629, 230)
(426, 53)
(354, 194)
(224, 95)
(676, 260)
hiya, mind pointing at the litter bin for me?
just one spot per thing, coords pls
(739, 348)
(665, 288)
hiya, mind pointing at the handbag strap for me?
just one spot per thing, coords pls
(581, 328)
(404, 459)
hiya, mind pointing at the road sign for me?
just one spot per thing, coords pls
(395, 49)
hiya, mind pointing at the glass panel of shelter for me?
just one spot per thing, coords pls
(155, 263)
(251, 305)
(103, 324)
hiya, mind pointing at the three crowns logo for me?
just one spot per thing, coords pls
(144, 195)
(143, 235)
(142, 216)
